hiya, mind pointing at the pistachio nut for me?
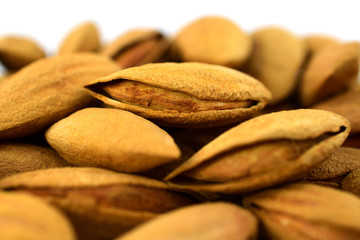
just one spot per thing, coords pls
(188, 95)
(351, 182)
(262, 152)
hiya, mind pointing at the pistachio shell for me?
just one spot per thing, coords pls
(327, 131)
(345, 104)
(137, 47)
(17, 51)
(208, 221)
(276, 59)
(101, 204)
(22, 157)
(340, 163)
(184, 85)
(83, 38)
(316, 42)
(48, 90)
(330, 70)
(27, 217)
(214, 40)
(113, 139)
(306, 211)
(351, 182)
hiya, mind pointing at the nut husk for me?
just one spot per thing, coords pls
(263, 151)
(306, 211)
(48, 90)
(214, 40)
(351, 182)
(275, 60)
(83, 38)
(137, 47)
(101, 204)
(188, 95)
(16, 157)
(27, 217)
(207, 221)
(18, 51)
(329, 71)
(113, 139)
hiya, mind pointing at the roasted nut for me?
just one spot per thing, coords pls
(189, 95)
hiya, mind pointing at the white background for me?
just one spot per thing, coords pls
(47, 22)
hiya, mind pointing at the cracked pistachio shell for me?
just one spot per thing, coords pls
(101, 204)
(17, 52)
(276, 60)
(332, 69)
(27, 217)
(21, 157)
(48, 90)
(137, 47)
(200, 95)
(345, 104)
(326, 132)
(113, 139)
(83, 38)
(214, 40)
(306, 211)
(351, 182)
(207, 221)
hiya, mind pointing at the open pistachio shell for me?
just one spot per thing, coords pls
(48, 90)
(306, 211)
(22, 157)
(83, 38)
(276, 60)
(263, 151)
(100, 203)
(332, 69)
(207, 221)
(189, 95)
(137, 47)
(26, 217)
(17, 51)
(214, 40)
(113, 139)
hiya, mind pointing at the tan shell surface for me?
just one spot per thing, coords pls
(345, 104)
(48, 90)
(22, 157)
(26, 217)
(308, 211)
(351, 182)
(340, 163)
(208, 221)
(330, 70)
(17, 51)
(276, 59)
(127, 39)
(203, 81)
(113, 139)
(214, 40)
(294, 124)
(317, 41)
(83, 38)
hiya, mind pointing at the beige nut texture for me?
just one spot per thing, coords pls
(187, 95)
(214, 40)
(207, 221)
(306, 211)
(26, 217)
(262, 152)
(101, 204)
(351, 182)
(113, 139)
(48, 90)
